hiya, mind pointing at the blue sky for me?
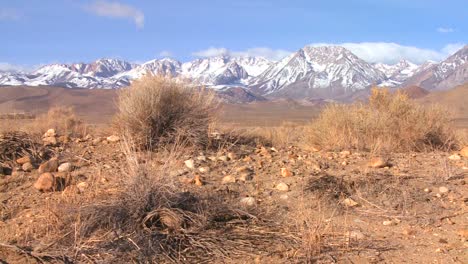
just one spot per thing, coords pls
(38, 32)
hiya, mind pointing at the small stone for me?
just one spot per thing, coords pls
(50, 141)
(454, 157)
(355, 235)
(273, 149)
(282, 187)
(443, 189)
(198, 181)
(45, 182)
(82, 186)
(464, 152)
(65, 167)
(232, 156)
(377, 162)
(223, 158)
(389, 223)
(96, 141)
(201, 158)
(204, 169)
(246, 176)
(345, 153)
(350, 202)
(248, 201)
(344, 163)
(212, 158)
(286, 173)
(49, 166)
(23, 160)
(284, 197)
(27, 166)
(113, 138)
(50, 133)
(190, 163)
(228, 179)
(427, 190)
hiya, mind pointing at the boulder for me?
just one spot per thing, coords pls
(50, 133)
(65, 167)
(45, 182)
(49, 166)
(50, 141)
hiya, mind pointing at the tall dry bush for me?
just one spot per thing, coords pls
(388, 122)
(156, 110)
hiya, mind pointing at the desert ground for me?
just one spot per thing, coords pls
(73, 190)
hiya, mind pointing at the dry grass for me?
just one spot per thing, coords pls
(155, 111)
(388, 122)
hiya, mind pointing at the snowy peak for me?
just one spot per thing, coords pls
(104, 67)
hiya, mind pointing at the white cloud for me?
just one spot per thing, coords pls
(9, 14)
(268, 53)
(388, 52)
(165, 53)
(8, 67)
(445, 30)
(117, 10)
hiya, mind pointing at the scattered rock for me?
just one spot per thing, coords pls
(65, 167)
(190, 163)
(82, 186)
(286, 173)
(45, 182)
(377, 162)
(282, 187)
(50, 141)
(232, 156)
(228, 179)
(391, 222)
(443, 189)
(350, 202)
(197, 180)
(204, 169)
(49, 166)
(427, 190)
(454, 157)
(50, 133)
(27, 166)
(248, 201)
(23, 160)
(464, 152)
(345, 153)
(201, 158)
(113, 139)
(344, 163)
(355, 235)
(223, 158)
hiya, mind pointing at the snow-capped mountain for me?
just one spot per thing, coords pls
(317, 71)
(445, 75)
(397, 73)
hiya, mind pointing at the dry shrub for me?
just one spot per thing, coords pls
(388, 122)
(155, 111)
(62, 119)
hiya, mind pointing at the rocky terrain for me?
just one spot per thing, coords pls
(326, 207)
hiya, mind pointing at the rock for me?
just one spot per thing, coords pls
(197, 180)
(23, 160)
(345, 153)
(186, 180)
(247, 159)
(49, 166)
(45, 182)
(204, 169)
(201, 158)
(282, 187)
(464, 152)
(113, 139)
(377, 162)
(190, 163)
(355, 235)
(223, 158)
(228, 179)
(344, 163)
(65, 167)
(96, 141)
(50, 133)
(27, 166)
(212, 158)
(443, 189)
(82, 186)
(243, 169)
(248, 201)
(273, 149)
(246, 176)
(454, 157)
(286, 173)
(427, 190)
(50, 141)
(64, 139)
(232, 156)
(390, 222)
(350, 202)
(284, 197)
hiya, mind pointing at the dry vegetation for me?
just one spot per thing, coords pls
(137, 207)
(388, 122)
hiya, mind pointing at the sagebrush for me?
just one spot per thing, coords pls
(155, 111)
(387, 122)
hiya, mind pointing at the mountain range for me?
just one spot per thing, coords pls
(327, 72)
